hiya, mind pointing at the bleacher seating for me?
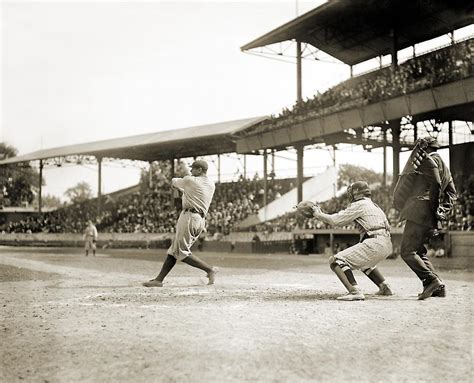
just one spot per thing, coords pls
(428, 70)
(152, 211)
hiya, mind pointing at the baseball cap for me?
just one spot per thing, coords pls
(200, 164)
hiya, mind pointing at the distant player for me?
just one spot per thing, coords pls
(90, 238)
(375, 244)
(198, 191)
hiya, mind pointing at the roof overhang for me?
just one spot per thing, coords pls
(180, 143)
(453, 100)
(354, 31)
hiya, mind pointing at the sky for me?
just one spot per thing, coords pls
(82, 71)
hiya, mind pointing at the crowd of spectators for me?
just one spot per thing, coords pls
(153, 210)
(431, 69)
(235, 201)
(290, 221)
(70, 219)
(460, 218)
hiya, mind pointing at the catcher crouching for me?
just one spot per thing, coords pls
(375, 244)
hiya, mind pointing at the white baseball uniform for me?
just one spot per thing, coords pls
(197, 197)
(370, 220)
(90, 236)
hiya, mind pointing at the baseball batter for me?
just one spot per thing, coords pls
(197, 190)
(375, 244)
(90, 238)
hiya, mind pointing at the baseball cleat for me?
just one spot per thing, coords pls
(440, 293)
(384, 290)
(153, 283)
(352, 296)
(434, 285)
(212, 275)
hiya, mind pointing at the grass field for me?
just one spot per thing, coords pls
(268, 318)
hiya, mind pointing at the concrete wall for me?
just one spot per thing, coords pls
(461, 256)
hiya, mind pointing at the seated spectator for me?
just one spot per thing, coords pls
(431, 69)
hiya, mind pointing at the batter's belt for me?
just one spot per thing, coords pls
(195, 211)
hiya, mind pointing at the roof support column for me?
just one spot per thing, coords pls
(150, 174)
(272, 173)
(415, 132)
(299, 91)
(384, 180)
(175, 196)
(265, 178)
(450, 134)
(352, 70)
(299, 172)
(245, 166)
(40, 188)
(395, 128)
(394, 36)
(219, 168)
(99, 186)
(334, 186)
(172, 168)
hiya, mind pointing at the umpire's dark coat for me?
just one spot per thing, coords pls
(434, 187)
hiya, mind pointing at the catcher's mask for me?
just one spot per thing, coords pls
(426, 142)
(358, 190)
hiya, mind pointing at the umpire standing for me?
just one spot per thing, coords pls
(424, 201)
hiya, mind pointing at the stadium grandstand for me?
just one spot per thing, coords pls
(388, 107)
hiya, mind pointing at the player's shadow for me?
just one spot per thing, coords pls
(392, 298)
(107, 287)
(315, 296)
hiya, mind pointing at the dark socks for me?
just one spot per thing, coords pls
(350, 276)
(194, 261)
(375, 276)
(168, 264)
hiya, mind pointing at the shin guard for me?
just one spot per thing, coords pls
(375, 276)
(345, 276)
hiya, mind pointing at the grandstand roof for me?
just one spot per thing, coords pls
(354, 31)
(180, 143)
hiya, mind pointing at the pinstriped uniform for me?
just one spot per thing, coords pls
(197, 195)
(371, 220)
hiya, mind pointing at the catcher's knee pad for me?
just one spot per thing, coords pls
(333, 262)
(368, 271)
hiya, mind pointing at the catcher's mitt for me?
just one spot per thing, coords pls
(306, 208)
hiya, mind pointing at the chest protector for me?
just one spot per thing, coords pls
(405, 185)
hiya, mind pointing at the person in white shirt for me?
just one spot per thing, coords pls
(90, 238)
(198, 191)
(375, 244)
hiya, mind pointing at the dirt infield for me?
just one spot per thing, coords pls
(269, 318)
